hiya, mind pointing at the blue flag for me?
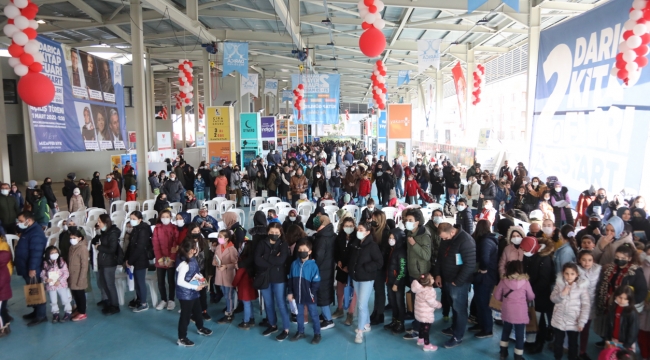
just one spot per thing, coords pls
(287, 95)
(403, 77)
(235, 58)
(475, 4)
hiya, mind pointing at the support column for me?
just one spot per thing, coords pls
(207, 90)
(150, 103)
(5, 171)
(139, 89)
(29, 145)
(535, 19)
(197, 101)
(440, 93)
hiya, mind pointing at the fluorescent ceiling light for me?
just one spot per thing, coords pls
(120, 58)
(4, 53)
(40, 21)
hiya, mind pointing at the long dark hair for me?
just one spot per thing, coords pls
(46, 256)
(184, 250)
(483, 228)
(567, 230)
(629, 293)
(514, 267)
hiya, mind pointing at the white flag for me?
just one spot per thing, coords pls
(249, 84)
(271, 86)
(428, 54)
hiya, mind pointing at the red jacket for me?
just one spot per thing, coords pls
(111, 189)
(581, 207)
(364, 187)
(164, 238)
(182, 234)
(244, 284)
(411, 188)
(131, 196)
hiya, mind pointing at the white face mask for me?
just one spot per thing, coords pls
(165, 221)
(65, 227)
(528, 254)
(410, 225)
(625, 304)
(74, 242)
(4, 192)
(54, 256)
(535, 183)
(361, 236)
(135, 222)
(318, 176)
(371, 208)
(292, 218)
(483, 182)
(180, 223)
(488, 206)
(516, 240)
(547, 230)
(348, 230)
(437, 220)
(391, 242)
(461, 207)
(22, 225)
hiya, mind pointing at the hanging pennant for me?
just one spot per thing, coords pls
(249, 84)
(235, 58)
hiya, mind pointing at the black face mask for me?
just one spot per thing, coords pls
(72, 228)
(303, 254)
(620, 263)
(595, 224)
(196, 236)
(601, 197)
(374, 224)
(274, 237)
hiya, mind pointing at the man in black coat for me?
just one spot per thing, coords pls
(323, 253)
(464, 218)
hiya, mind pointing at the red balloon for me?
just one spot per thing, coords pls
(368, 2)
(36, 89)
(622, 74)
(641, 50)
(29, 12)
(476, 84)
(627, 34)
(180, 67)
(301, 86)
(382, 106)
(365, 25)
(31, 33)
(642, 61)
(372, 42)
(36, 67)
(10, 21)
(373, 77)
(621, 64)
(645, 39)
(379, 63)
(619, 57)
(16, 50)
(187, 101)
(384, 90)
(26, 59)
(641, 21)
(191, 64)
(182, 95)
(646, 14)
(383, 72)
(372, 9)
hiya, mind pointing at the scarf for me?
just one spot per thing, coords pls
(605, 291)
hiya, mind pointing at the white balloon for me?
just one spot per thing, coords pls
(376, 72)
(631, 66)
(21, 22)
(13, 62)
(634, 41)
(380, 5)
(370, 18)
(187, 67)
(33, 24)
(622, 47)
(629, 25)
(380, 79)
(184, 78)
(38, 57)
(190, 95)
(21, 70)
(12, 11)
(614, 71)
(20, 38)
(629, 55)
(191, 70)
(640, 29)
(10, 30)
(633, 77)
(638, 4)
(361, 5)
(21, 4)
(379, 24)
(363, 13)
(32, 47)
(636, 15)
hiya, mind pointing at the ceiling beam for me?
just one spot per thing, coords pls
(194, 27)
(454, 5)
(283, 13)
(123, 19)
(119, 32)
(88, 10)
(568, 6)
(237, 14)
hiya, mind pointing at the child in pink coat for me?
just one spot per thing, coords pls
(515, 292)
(225, 260)
(55, 276)
(425, 305)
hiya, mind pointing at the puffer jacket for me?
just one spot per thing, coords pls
(304, 282)
(564, 254)
(418, 256)
(52, 266)
(461, 245)
(396, 272)
(342, 254)
(323, 253)
(511, 252)
(221, 184)
(108, 241)
(188, 293)
(78, 266)
(173, 190)
(29, 250)
(592, 275)
(425, 302)
(644, 317)
(515, 293)
(487, 249)
(136, 253)
(165, 238)
(541, 271)
(571, 311)
(365, 259)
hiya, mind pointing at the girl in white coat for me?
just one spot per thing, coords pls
(589, 271)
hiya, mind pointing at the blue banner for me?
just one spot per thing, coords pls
(287, 95)
(235, 58)
(87, 113)
(588, 129)
(322, 93)
(403, 77)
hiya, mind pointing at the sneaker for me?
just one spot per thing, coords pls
(316, 339)
(472, 319)
(411, 336)
(113, 310)
(367, 328)
(339, 313)
(225, 320)
(283, 335)
(297, 336)
(430, 347)
(265, 322)
(251, 322)
(483, 334)
(293, 318)
(452, 343)
(324, 325)
(161, 305)
(348, 319)
(270, 330)
(475, 328)
(204, 331)
(206, 317)
(420, 342)
(390, 325)
(55, 318)
(102, 303)
(142, 307)
(359, 337)
(66, 317)
(185, 342)
(244, 325)
(5, 331)
(448, 331)
(133, 303)
(171, 305)
(445, 318)
(37, 321)
(80, 317)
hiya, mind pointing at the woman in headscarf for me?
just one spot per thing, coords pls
(259, 229)
(292, 219)
(559, 196)
(231, 220)
(161, 203)
(310, 222)
(614, 237)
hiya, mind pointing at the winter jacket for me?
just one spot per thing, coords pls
(19, 198)
(604, 209)
(465, 220)
(304, 282)
(351, 181)
(452, 180)
(4, 246)
(564, 254)
(515, 293)
(29, 250)
(50, 266)
(108, 241)
(189, 292)
(396, 272)
(606, 256)
(78, 266)
(191, 204)
(235, 180)
(541, 271)
(298, 184)
(136, 253)
(173, 190)
(244, 284)
(411, 188)
(227, 256)
(571, 311)
(364, 187)
(76, 203)
(41, 212)
(461, 247)
(472, 192)
(644, 317)
(487, 249)
(287, 223)
(365, 259)
(323, 253)
(48, 194)
(418, 256)
(165, 237)
(629, 328)
(592, 275)
(9, 209)
(489, 192)
(199, 185)
(112, 189)
(221, 184)
(425, 302)
(272, 257)
(511, 252)
(154, 183)
(5, 275)
(634, 277)
(342, 254)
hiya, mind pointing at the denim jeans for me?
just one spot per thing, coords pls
(275, 293)
(459, 297)
(399, 188)
(327, 313)
(309, 192)
(520, 334)
(336, 193)
(362, 201)
(248, 311)
(313, 313)
(38, 309)
(482, 294)
(140, 285)
(363, 290)
(228, 296)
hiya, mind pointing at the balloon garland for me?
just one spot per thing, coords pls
(201, 111)
(347, 114)
(34, 88)
(179, 101)
(379, 89)
(479, 74)
(298, 99)
(633, 50)
(185, 81)
(163, 113)
(373, 41)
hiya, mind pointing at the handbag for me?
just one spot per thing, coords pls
(34, 293)
(348, 294)
(261, 280)
(494, 303)
(532, 326)
(475, 203)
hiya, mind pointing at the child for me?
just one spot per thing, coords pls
(304, 281)
(272, 216)
(644, 317)
(396, 279)
(394, 201)
(616, 353)
(132, 194)
(364, 189)
(622, 328)
(587, 243)
(366, 214)
(55, 276)
(78, 273)
(243, 281)
(425, 305)
(199, 187)
(76, 201)
(571, 311)
(6, 267)
(187, 292)
(245, 189)
(411, 190)
(225, 259)
(514, 291)
(589, 271)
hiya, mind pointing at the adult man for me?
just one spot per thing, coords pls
(207, 223)
(399, 173)
(111, 189)
(453, 271)
(535, 229)
(29, 259)
(8, 210)
(418, 254)
(74, 57)
(127, 168)
(504, 169)
(106, 81)
(298, 186)
(173, 189)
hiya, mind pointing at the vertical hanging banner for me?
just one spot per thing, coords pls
(399, 121)
(583, 116)
(200, 138)
(287, 95)
(268, 127)
(164, 141)
(381, 133)
(322, 94)
(235, 58)
(271, 86)
(428, 54)
(249, 84)
(403, 77)
(87, 112)
(461, 92)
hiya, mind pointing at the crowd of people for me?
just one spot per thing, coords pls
(574, 272)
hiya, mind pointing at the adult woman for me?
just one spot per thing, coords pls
(97, 191)
(161, 203)
(640, 224)
(102, 130)
(154, 182)
(272, 181)
(472, 192)
(614, 237)
(137, 255)
(536, 188)
(270, 257)
(182, 222)
(524, 201)
(639, 203)
(365, 260)
(437, 182)
(624, 271)
(292, 219)
(488, 191)
(319, 187)
(165, 245)
(232, 223)
(323, 253)
(191, 202)
(346, 234)
(380, 235)
(452, 181)
(107, 244)
(235, 184)
(487, 276)
(48, 194)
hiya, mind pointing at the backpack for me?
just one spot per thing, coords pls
(65, 191)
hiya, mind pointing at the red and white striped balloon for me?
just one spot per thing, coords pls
(179, 101)
(479, 75)
(299, 99)
(163, 114)
(633, 50)
(201, 110)
(185, 81)
(379, 89)
(373, 41)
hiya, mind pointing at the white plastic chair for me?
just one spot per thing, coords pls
(121, 285)
(193, 212)
(398, 217)
(282, 205)
(390, 212)
(93, 214)
(148, 204)
(61, 215)
(149, 214)
(255, 203)
(90, 232)
(286, 211)
(131, 206)
(262, 207)
(221, 224)
(79, 217)
(241, 214)
(331, 209)
(219, 200)
(226, 205)
(117, 205)
(214, 213)
(305, 209)
(176, 207)
(326, 203)
(426, 213)
(52, 240)
(118, 216)
(151, 279)
(354, 210)
(12, 240)
(52, 231)
(266, 211)
(273, 200)
(211, 204)
(434, 206)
